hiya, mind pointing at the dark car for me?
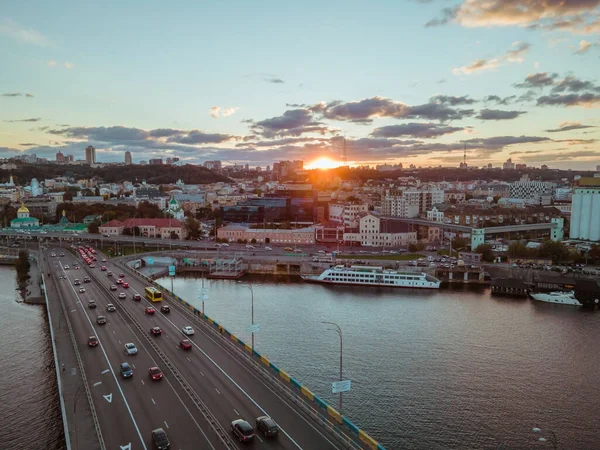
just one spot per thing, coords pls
(161, 441)
(101, 320)
(113, 287)
(155, 373)
(267, 426)
(185, 344)
(110, 307)
(126, 370)
(165, 309)
(242, 430)
(156, 331)
(87, 280)
(92, 303)
(137, 297)
(92, 341)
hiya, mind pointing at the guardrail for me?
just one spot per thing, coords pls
(320, 404)
(222, 434)
(86, 386)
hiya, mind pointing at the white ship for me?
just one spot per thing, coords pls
(562, 298)
(374, 276)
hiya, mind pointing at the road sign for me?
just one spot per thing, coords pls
(253, 328)
(171, 271)
(340, 386)
(150, 260)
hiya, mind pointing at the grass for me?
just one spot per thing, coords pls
(447, 253)
(388, 257)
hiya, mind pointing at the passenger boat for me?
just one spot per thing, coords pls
(374, 276)
(562, 298)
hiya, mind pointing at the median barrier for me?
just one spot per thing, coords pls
(307, 393)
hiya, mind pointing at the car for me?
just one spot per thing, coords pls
(126, 370)
(161, 441)
(113, 287)
(92, 341)
(149, 310)
(103, 269)
(185, 344)
(122, 295)
(267, 426)
(242, 430)
(92, 303)
(224, 245)
(188, 330)
(250, 246)
(110, 274)
(121, 275)
(66, 267)
(53, 255)
(87, 280)
(155, 373)
(62, 254)
(125, 285)
(155, 331)
(268, 249)
(92, 266)
(165, 309)
(103, 259)
(137, 297)
(101, 320)
(110, 307)
(130, 349)
(76, 283)
(119, 281)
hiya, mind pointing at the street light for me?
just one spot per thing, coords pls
(249, 286)
(338, 330)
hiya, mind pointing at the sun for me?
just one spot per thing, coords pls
(323, 163)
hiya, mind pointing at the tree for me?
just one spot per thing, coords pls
(517, 249)
(97, 191)
(23, 265)
(174, 235)
(458, 243)
(193, 227)
(555, 250)
(253, 241)
(94, 227)
(412, 248)
(486, 252)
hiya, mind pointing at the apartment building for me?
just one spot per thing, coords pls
(410, 202)
(347, 214)
(298, 236)
(377, 231)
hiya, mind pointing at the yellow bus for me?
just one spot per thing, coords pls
(153, 294)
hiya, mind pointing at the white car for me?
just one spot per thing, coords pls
(188, 330)
(224, 245)
(82, 290)
(130, 349)
(66, 267)
(249, 246)
(268, 248)
(122, 295)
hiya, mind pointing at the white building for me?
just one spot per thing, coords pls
(411, 202)
(532, 189)
(563, 194)
(347, 215)
(377, 231)
(585, 214)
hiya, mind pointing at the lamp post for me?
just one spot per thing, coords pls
(249, 286)
(338, 330)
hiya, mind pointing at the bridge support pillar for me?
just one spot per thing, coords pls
(477, 238)
(558, 233)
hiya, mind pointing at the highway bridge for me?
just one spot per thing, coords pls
(203, 389)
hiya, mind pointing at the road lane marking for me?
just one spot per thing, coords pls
(153, 401)
(73, 310)
(166, 424)
(188, 359)
(119, 342)
(114, 332)
(258, 437)
(108, 398)
(235, 411)
(126, 447)
(97, 383)
(201, 373)
(217, 391)
(143, 382)
(105, 371)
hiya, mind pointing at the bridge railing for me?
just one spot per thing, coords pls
(319, 404)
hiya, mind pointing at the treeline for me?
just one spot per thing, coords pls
(76, 212)
(153, 174)
(554, 250)
(23, 265)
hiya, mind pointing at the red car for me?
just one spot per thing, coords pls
(103, 268)
(92, 341)
(125, 285)
(155, 373)
(137, 297)
(122, 275)
(185, 344)
(149, 310)
(156, 331)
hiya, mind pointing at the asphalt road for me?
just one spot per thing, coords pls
(226, 385)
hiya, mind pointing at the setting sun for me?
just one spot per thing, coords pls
(323, 163)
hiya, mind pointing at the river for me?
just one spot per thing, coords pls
(447, 369)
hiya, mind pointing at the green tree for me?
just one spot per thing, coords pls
(458, 243)
(253, 241)
(517, 249)
(193, 227)
(94, 227)
(23, 265)
(486, 252)
(555, 250)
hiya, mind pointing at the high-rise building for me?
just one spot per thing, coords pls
(70, 158)
(155, 162)
(128, 158)
(60, 158)
(213, 165)
(508, 165)
(90, 155)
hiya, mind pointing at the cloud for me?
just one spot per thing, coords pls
(103, 134)
(500, 100)
(68, 65)
(481, 65)
(164, 132)
(573, 84)
(497, 114)
(217, 111)
(538, 80)
(21, 33)
(417, 130)
(364, 111)
(452, 100)
(565, 15)
(293, 122)
(27, 144)
(199, 137)
(274, 80)
(52, 63)
(17, 94)
(587, 99)
(584, 46)
(35, 119)
(568, 126)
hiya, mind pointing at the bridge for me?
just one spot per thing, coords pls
(218, 380)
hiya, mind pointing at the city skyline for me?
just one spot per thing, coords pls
(411, 82)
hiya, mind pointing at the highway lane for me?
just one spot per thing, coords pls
(233, 387)
(150, 404)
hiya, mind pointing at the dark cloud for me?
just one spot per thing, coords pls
(165, 132)
(500, 100)
(274, 80)
(27, 144)
(293, 122)
(417, 130)
(538, 80)
(569, 126)
(103, 134)
(35, 119)
(585, 99)
(365, 110)
(199, 137)
(17, 94)
(279, 142)
(452, 100)
(573, 84)
(498, 114)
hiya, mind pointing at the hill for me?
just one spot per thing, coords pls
(159, 174)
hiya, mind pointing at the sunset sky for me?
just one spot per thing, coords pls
(407, 81)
